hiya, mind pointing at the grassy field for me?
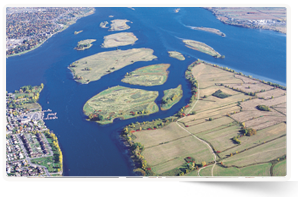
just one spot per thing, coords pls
(254, 170)
(202, 47)
(32, 106)
(84, 44)
(119, 25)
(120, 102)
(171, 97)
(119, 39)
(93, 67)
(45, 161)
(152, 75)
(176, 54)
(280, 169)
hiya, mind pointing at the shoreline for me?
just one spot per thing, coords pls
(66, 26)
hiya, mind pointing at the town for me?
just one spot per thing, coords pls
(31, 149)
(27, 28)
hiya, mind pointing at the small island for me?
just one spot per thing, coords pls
(120, 102)
(176, 55)
(148, 76)
(119, 39)
(77, 32)
(84, 44)
(202, 47)
(171, 97)
(211, 30)
(119, 25)
(93, 67)
(104, 24)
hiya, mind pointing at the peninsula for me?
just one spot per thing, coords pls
(211, 30)
(84, 44)
(119, 39)
(93, 67)
(176, 55)
(152, 75)
(202, 47)
(171, 97)
(120, 102)
(119, 25)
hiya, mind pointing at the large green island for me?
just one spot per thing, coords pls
(93, 67)
(202, 47)
(120, 102)
(152, 75)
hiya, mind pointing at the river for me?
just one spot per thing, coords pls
(90, 149)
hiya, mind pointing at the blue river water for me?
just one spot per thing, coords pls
(90, 149)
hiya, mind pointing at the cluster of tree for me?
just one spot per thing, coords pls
(236, 140)
(56, 149)
(95, 117)
(249, 131)
(263, 108)
(220, 94)
(193, 81)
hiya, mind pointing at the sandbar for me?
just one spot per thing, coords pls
(119, 39)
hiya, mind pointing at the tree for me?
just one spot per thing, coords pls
(203, 163)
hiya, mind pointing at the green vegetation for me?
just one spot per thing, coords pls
(120, 102)
(119, 39)
(176, 55)
(249, 131)
(280, 169)
(202, 47)
(84, 44)
(107, 62)
(220, 94)
(171, 97)
(57, 154)
(152, 75)
(47, 162)
(263, 108)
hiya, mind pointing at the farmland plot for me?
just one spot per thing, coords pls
(268, 94)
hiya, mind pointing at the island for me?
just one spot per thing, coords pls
(171, 97)
(119, 25)
(152, 75)
(77, 32)
(84, 44)
(176, 55)
(202, 47)
(104, 24)
(31, 149)
(211, 30)
(93, 67)
(119, 39)
(120, 102)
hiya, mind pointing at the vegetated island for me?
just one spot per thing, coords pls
(84, 44)
(171, 97)
(202, 47)
(228, 127)
(93, 67)
(211, 30)
(120, 102)
(119, 39)
(119, 25)
(270, 18)
(104, 24)
(152, 75)
(176, 54)
(77, 32)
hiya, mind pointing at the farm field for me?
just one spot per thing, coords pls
(282, 108)
(262, 153)
(202, 47)
(280, 169)
(120, 102)
(254, 170)
(84, 44)
(93, 67)
(119, 39)
(176, 55)
(152, 75)
(119, 25)
(268, 94)
(171, 97)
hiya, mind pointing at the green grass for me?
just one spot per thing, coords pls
(45, 161)
(84, 44)
(280, 169)
(152, 75)
(176, 55)
(171, 97)
(202, 47)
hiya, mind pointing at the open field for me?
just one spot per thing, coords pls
(262, 153)
(265, 121)
(171, 97)
(211, 30)
(280, 169)
(152, 75)
(84, 44)
(120, 102)
(282, 108)
(93, 67)
(254, 170)
(202, 47)
(47, 162)
(119, 25)
(176, 55)
(268, 94)
(33, 106)
(119, 39)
